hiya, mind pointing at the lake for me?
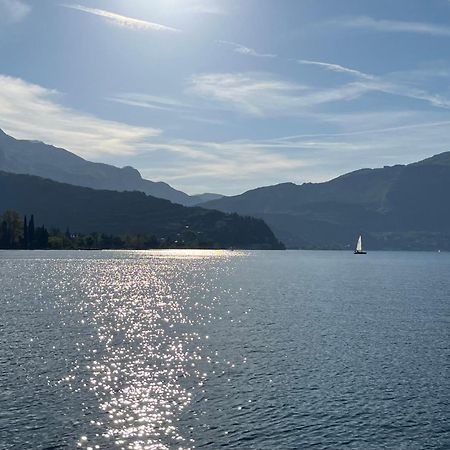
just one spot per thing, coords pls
(221, 349)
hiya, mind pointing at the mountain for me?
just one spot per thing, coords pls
(206, 197)
(86, 210)
(399, 207)
(37, 158)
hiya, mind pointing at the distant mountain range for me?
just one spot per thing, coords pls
(86, 210)
(37, 158)
(399, 207)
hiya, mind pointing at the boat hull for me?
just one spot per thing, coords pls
(356, 252)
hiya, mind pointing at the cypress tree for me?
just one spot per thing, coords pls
(25, 233)
(31, 232)
(4, 234)
(41, 236)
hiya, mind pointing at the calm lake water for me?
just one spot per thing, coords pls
(235, 350)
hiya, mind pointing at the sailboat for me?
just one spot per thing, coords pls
(359, 248)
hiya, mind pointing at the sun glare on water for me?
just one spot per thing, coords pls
(149, 352)
(190, 253)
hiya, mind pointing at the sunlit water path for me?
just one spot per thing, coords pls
(211, 349)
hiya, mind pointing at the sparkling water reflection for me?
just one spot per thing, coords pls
(150, 351)
(217, 349)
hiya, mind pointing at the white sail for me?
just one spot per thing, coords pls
(359, 245)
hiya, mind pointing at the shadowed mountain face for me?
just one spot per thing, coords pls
(37, 158)
(86, 210)
(399, 207)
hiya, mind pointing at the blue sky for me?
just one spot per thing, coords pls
(224, 95)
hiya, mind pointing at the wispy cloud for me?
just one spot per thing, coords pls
(392, 83)
(150, 101)
(184, 111)
(336, 68)
(393, 26)
(123, 21)
(30, 111)
(13, 11)
(412, 92)
(243, 50)
(241, 89)
(377, 117)
(392, 144)
(223, 166)
(200, 166)
(261, 94)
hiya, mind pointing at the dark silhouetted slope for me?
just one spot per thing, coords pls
(395, 207)
(86, 210)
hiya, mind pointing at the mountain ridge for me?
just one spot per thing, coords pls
(61, 165)
(397, 202)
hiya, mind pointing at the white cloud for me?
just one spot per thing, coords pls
(260, 94)
(183, 110)
(393, 26)
(243, 50)
(435, 100)
(123, 21)
(398, 84)
(340, 152)
(242, 88)
(29, 111)
(13, 11)
(227, 167)
(149, 101)
(230, 167)
(336, 68)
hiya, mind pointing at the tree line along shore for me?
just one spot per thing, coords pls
(21, 233)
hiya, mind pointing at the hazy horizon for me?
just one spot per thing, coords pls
(215, 96)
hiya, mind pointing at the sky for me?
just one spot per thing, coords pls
(228, 95)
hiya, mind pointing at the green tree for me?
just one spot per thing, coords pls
(41, 237)
(31, 232)
(13, 229)
(3, 235)
(25, 233)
